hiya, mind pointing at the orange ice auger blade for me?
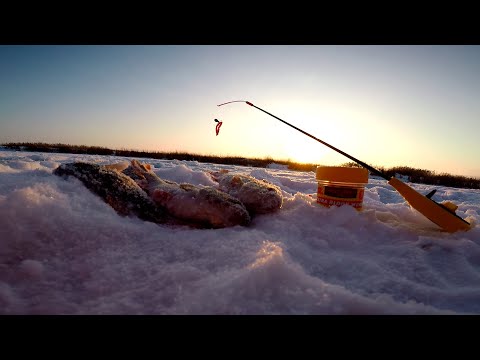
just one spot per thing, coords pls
(442, 215)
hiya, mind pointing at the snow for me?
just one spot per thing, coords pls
(277, 166)
(64, 251)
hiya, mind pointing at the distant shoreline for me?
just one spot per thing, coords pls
(410, 174)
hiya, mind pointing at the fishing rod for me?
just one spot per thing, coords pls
(442, 215)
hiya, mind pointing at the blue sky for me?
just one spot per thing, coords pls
(386, 105)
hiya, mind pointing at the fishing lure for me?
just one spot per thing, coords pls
(217, 128)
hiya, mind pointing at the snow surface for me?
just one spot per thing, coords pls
(64, 251)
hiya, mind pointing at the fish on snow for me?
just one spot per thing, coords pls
(258, 196)
(118, 190)
(204, 205)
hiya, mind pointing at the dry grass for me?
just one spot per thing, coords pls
(416, 175)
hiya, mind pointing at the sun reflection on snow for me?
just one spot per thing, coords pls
(267, 253)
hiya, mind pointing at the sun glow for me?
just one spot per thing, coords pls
(305, 150)
(301, 148)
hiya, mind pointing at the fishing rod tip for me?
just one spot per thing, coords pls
(233, 102)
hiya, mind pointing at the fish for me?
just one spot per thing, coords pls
(118, 190)
(258, 196)
(203, 205)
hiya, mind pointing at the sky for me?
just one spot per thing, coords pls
(417, 104)
(65, 251)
